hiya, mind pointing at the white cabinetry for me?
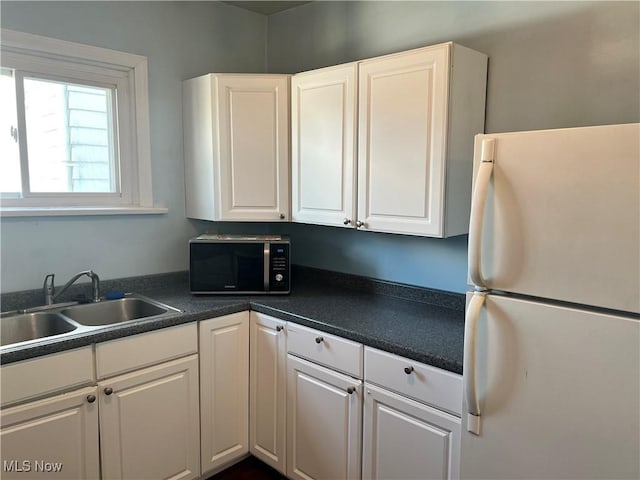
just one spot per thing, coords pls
(417, 114)
(52, 438)
(149, 422)
(55, 435)
(236, 147)
(268, 376)
(145, 408)
(149, 416)
(323, 147)
(324, 407)
(224, 389)
(407, 432)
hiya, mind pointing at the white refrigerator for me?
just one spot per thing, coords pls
(552, 329)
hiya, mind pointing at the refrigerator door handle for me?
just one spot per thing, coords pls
(478, 203)
(469, 367)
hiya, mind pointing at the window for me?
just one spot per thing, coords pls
(74, 134)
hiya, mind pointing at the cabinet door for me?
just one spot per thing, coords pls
(52, 438)
(323, 106)
(149, 422)
(254, 147)
(224, 389)
(267, 420)
(405, 439)
(401, 142)
(324, 422)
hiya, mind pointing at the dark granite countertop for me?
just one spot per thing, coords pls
(420, 324)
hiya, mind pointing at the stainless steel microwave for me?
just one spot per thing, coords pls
(223, 264)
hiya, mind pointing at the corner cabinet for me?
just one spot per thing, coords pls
(224, 390)
(415, 114)
(268, 387)
(236, 147)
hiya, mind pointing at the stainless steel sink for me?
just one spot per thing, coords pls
(116, 311)
(31, 326)
(41, 322)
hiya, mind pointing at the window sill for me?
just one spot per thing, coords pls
(75, 211)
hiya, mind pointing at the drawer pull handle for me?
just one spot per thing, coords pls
(91, 398)
(108, 391)
(319, 339)
(408, 370)
(350, 390)
(279, 328)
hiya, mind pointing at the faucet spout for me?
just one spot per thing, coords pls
(50, 294)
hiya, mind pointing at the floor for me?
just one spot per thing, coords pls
(248, 469)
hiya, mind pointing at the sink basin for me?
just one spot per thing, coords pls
(115, 311)
(48, 320)
(31, 326)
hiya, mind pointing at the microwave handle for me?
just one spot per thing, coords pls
(267, 263)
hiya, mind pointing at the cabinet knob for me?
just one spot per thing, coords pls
(282, 216)
(319, 339)
(408, 370)
(108, 391)
(279, 328)
(350, 390)
(359, 224)
(347, 221)
(91, 398)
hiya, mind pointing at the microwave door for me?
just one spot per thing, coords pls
(227, 267)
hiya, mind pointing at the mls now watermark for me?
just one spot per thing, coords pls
(18, 466)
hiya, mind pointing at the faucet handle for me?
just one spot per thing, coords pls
(48, 285)
(47, 288)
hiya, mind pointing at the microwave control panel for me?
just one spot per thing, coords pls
(279, 268)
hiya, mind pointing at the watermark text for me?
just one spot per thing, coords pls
(19, 466)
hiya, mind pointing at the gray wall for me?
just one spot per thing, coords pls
(551, 65)
(181, 40)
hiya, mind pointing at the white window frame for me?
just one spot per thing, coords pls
(71, 62)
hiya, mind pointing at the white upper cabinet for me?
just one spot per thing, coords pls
(418, 113)
(323, 153)
(405, 123)
(236, 147)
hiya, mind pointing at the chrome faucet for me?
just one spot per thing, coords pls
(50, 294)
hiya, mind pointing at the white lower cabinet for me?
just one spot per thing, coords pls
(405, 439)
(324, 422)
(224, 390)
(49, 417)
(170, 405)
(407, 432)
(53, 438)
(268, 383)
(139, 421)
(149, 422)
(148, 404)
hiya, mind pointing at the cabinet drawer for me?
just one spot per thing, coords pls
(146, 349)
(45, 375)
(424, 383)
(325, 349)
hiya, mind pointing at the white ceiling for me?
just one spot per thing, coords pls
(265, 7)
